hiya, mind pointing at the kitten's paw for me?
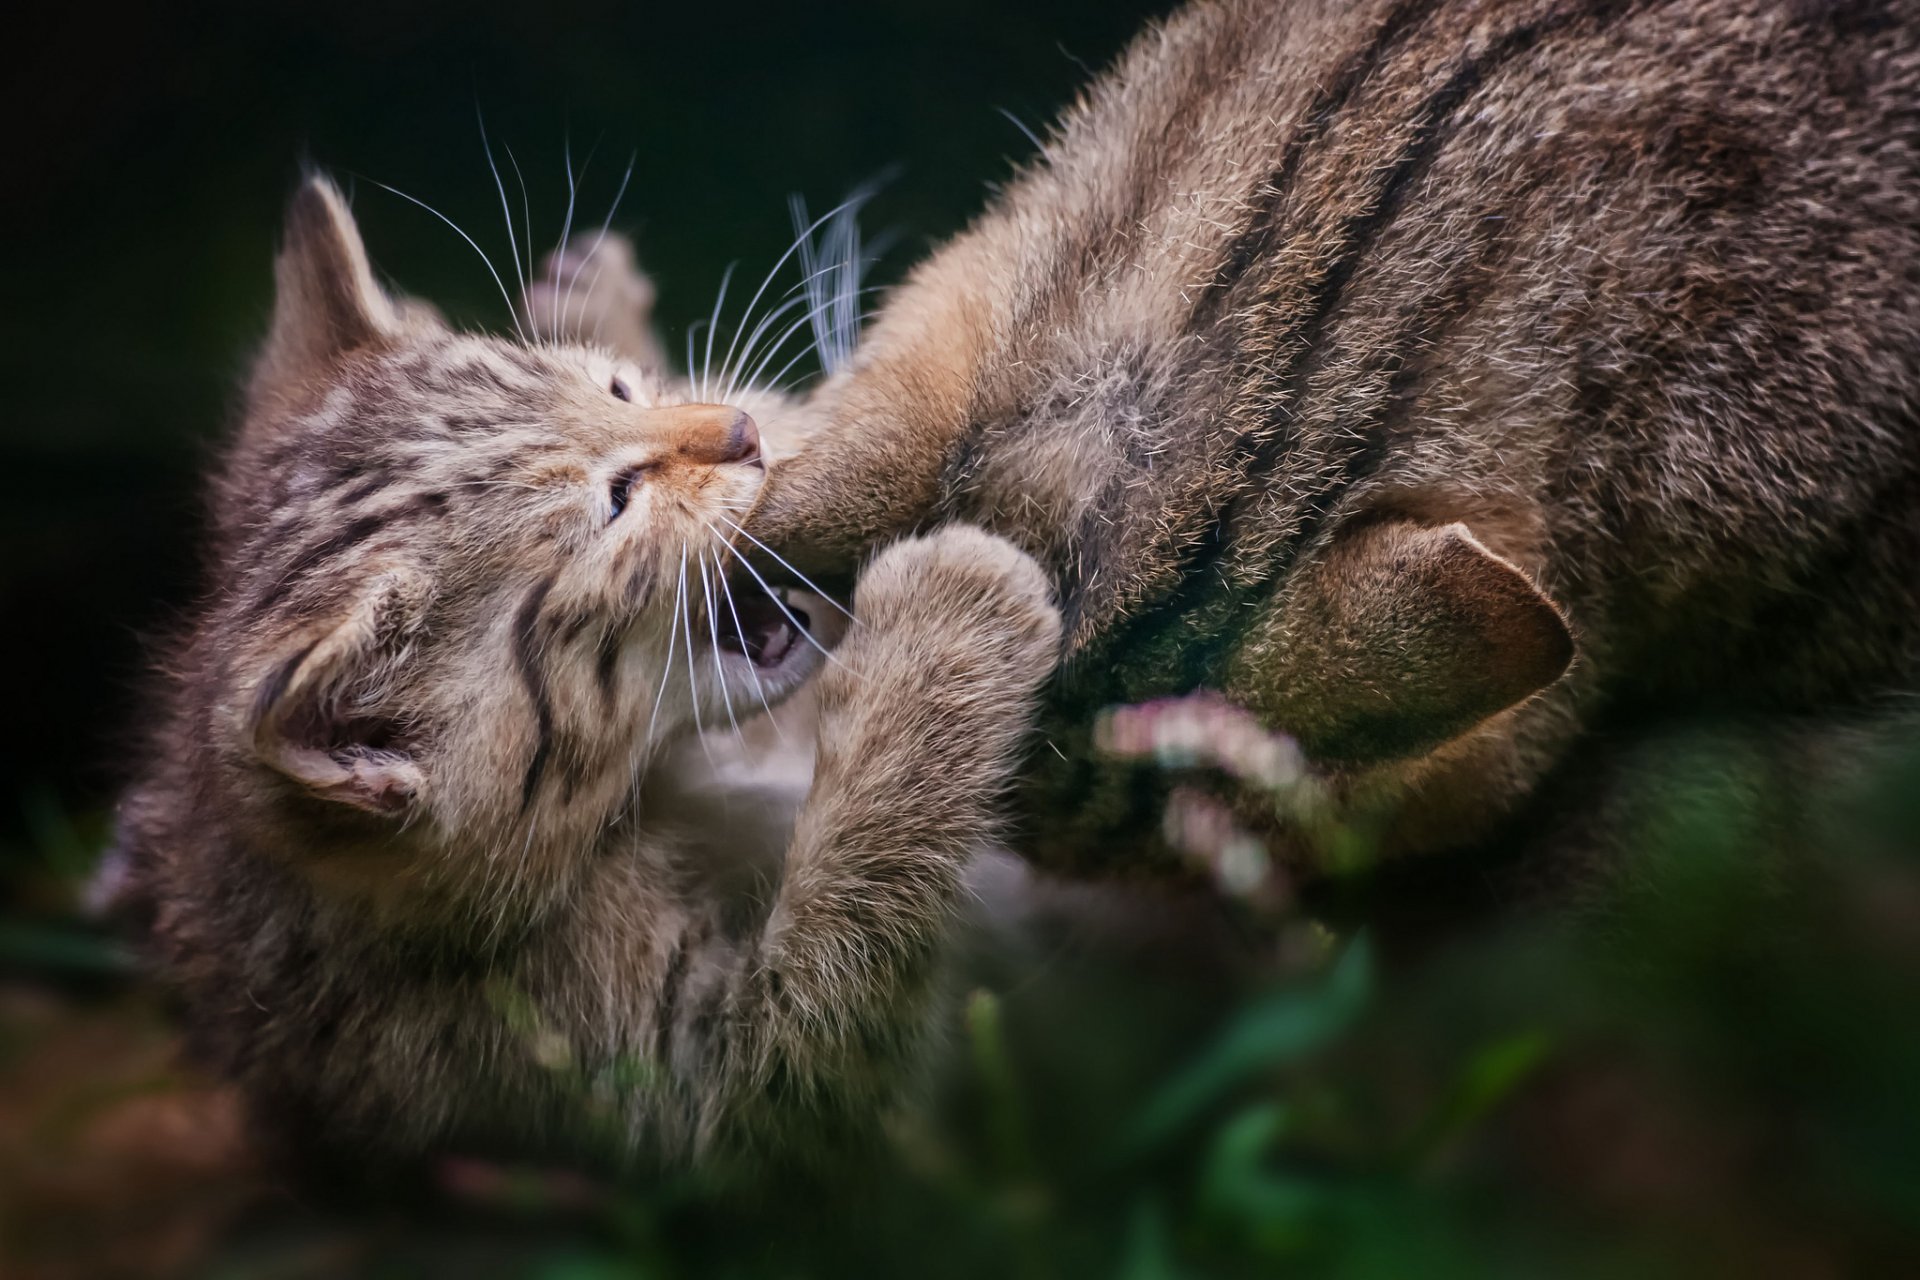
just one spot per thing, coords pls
(965, 586)
(595, 292)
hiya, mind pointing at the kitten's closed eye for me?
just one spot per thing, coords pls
(621, 391)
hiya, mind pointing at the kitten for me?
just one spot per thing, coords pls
(1443, 380)
(401, 838)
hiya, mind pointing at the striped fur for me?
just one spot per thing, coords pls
(405, 835)
(1625, 287)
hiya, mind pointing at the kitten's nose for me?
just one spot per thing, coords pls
(711, 434)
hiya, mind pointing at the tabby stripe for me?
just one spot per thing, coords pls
(1438, 120)
(365, 489)
(276, 684)
(356, 532)
(605, 662)
(1101, 679)
(1256, 241)
(668, 1002)
(526, 656)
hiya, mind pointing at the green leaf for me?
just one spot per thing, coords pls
(1280, 1029)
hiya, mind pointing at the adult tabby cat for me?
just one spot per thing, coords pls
(404, 830)
(1444, 380)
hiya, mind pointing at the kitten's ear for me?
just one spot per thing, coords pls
(326, 303)
(307, 723)
(1402, 637)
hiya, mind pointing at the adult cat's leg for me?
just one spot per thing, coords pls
(921, 720)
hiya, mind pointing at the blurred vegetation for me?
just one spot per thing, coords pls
(1709, 1067)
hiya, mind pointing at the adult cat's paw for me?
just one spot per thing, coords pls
(593, 291)
(961, 588)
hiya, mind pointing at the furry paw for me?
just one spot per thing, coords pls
(955, 633)
(963, 588)
(595, 292)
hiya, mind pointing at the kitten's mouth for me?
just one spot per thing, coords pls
(763, 631)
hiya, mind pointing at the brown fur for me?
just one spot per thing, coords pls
(1624, 287)
(401, 836)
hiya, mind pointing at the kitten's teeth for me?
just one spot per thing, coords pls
(776, 646)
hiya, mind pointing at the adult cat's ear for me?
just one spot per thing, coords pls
(309, 719)
(326, 302)
(1402, 637)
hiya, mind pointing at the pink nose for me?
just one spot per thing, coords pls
(709, 434)
(742, 441)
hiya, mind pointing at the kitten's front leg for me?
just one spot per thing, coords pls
(595, 292)
(920, 729)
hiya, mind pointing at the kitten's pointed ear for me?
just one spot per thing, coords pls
(309, 722)
(326, 303)
(1402, 637)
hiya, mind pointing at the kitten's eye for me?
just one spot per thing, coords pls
(620, 391)
(621, 490)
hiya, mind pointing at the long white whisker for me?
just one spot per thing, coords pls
(779, 604)
(772, 350)
(692, 329)
(1021, 125)
(566, 304)
(713, 323)
(753, 380)
(783, 564)
(512, 311)
(526, 221)
(753, 673)
(775, 270)
(673, 638)
(566, 227)
(837, 281)
(808, 299)
(506, 211)
(693, 688)
(730, 371)
(713, 628)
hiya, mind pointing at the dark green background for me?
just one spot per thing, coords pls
(154, 147)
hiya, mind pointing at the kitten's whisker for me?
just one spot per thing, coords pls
(526, 224)
(805, 291)
(780, 604)
(759, 689)
(693, 686)
(810, 583)
(713, 629)
(752, 384)
(840, 249)
(586, 303)
(713, 324)
(673, 638)
(691, 330)
(566, 227)
(566, 305)
(512, 311)
(506, 211)
(727, 374)
(1021, 125)
(807, 297)
(773, 271)
(773, 349)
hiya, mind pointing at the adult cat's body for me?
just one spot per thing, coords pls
(393, 830)
(1372, 363)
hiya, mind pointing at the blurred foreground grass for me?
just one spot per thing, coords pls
(1712, 1068)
